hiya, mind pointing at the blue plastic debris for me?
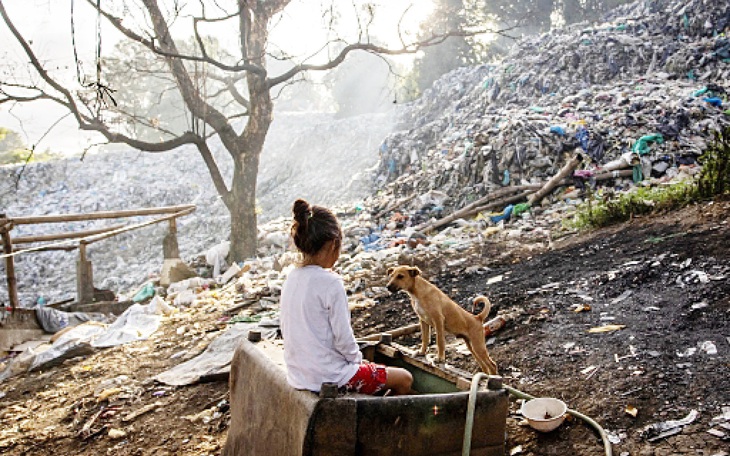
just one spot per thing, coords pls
(505, 215)
(557, 130)
(714, 101)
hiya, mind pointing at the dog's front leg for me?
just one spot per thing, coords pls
(441, 341)
(425, 337)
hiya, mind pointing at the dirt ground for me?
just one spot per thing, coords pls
(646, 275)
(665, 278)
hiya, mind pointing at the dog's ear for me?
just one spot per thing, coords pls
(414, 271)
(390, 271)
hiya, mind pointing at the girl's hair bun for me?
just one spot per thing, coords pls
(302, 211)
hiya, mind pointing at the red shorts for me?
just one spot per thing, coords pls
(369, 379)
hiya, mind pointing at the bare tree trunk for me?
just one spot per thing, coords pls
(242, 204)
(243, 211)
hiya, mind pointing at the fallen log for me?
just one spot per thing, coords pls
(488, 202)
(555, 181)
(501, 203)
(481, 204)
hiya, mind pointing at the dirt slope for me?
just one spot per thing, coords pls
(646, 274)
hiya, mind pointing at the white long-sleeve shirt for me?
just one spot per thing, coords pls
(319, 345)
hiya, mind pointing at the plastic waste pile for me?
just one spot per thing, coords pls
(612, 92)
(644, 90)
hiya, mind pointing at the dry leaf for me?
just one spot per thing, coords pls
(581, 308)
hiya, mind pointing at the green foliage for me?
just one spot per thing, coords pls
(715, 176)
(13, 150)
(12, 147)
(615, 208)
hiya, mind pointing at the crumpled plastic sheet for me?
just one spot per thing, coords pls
(53, 320)
(137, 323)
(664, 429)
(215, 357)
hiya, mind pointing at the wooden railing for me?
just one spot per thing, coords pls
(79, 240)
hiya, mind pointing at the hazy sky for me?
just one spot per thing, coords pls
(46, 24)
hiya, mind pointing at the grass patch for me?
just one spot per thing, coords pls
(606, 210)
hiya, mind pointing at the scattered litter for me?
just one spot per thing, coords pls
(116, 433)
(516, 450)
(708, 347)
(631, 410)
(725, 417)
(622, 297)
(141, 411)
(688, 352)
(658, 431)
(697, 276)
(606, 328)
(718, 433)
(581, 307)
(232, 271)
(107, 393)
(588, 370)
(613, 437)
(592, 373)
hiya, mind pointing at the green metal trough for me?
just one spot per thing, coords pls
(269, 417)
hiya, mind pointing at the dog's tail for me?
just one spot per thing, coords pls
(487, 307)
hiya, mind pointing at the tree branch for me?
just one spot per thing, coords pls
(199, 107)
(214, 171)
(150, 44)
(369, 47)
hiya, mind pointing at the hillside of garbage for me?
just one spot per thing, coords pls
(644, 90)
(627, 324)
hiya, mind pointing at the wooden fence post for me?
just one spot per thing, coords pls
(84, 278)
(170, 248)
(5, 226)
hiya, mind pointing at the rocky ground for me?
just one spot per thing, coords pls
(665, 279)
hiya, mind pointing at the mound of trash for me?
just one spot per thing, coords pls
(637, 97)
(644, 90)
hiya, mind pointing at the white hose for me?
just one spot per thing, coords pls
(466, 449)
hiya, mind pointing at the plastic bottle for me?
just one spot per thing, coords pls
(494, 325)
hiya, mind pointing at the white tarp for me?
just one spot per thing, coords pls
(136, 323)
(218, 355)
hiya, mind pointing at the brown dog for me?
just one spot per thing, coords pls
(436, 310)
